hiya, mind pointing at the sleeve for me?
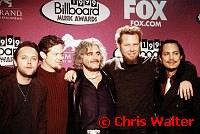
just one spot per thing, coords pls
(197, 106)
(107, 67)
(189, 73)
(71, 114)
(5, 71)
(42, 122)
(1, 94)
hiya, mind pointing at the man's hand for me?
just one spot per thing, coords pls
(71, 76)
(185, 89)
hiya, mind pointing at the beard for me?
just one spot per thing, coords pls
(25, 74)
(170, 69)
(130, 61)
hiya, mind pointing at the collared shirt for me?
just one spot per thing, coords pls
(96, 103)
(163, 85)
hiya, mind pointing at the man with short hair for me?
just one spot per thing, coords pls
(134, 79)
(22, 96)
(52, 74)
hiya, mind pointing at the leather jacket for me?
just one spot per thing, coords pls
(75, 102)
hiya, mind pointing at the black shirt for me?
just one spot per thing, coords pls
(96, 103)
(21, 121)
(134, 88)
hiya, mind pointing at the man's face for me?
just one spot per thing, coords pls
(91, 59)
(171, 56)
(27, 61)
(53, 59)
(130, 48)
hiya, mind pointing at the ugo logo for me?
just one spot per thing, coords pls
(144, 9)
(76, 12)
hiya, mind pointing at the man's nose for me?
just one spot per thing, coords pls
(171, 56)
(29, 61)
(132, 47)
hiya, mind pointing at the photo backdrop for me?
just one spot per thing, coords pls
(73, 20)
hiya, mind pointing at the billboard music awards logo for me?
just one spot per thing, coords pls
(149, 48)
(69, 48)
(8, 12)
(8, 45)
(150, 13)
(76, 12)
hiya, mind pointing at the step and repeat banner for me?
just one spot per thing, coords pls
(74, 20)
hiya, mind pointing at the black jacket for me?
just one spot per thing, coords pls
(75, 103)
(8, 99)
(171, 105)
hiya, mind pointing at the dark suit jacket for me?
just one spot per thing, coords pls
(171, 104)
(75, 104)
(8, 94)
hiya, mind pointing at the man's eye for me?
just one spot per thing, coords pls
(23, 58)
(34, 59)
(176, 53)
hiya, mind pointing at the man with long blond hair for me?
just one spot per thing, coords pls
(91, 95)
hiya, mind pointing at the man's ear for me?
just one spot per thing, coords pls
(160, 59)
(15, 63)
(43, 55)
(118, 46)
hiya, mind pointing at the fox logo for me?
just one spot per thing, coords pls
(9, 2)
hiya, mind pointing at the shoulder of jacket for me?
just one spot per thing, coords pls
(39, 82)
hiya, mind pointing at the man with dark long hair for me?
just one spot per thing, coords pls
(168, 104)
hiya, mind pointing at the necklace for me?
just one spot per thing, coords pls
(24, 95)
(92, 78)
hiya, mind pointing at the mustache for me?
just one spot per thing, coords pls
(171, 61)
(95, 61)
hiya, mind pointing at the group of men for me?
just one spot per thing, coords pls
(129, 91)
(43, 111)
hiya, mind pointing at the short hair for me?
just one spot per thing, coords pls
(25, 44)
(131, 30)
(174, 42)
(82, 48)
(49, 41)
